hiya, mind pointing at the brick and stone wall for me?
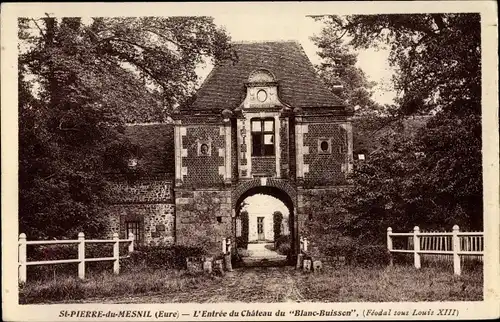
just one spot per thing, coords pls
(142, 190)
(157, 221)
(314, 206)
(149, 202)
(203, 170)
(203, 218)
(325, 168)
(264, 166)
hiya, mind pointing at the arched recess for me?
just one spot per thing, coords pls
(279, 189)
(245, 186)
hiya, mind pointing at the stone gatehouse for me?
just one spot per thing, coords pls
(265, 124)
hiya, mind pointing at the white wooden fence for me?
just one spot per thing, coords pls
(449, 245)
(81, 260)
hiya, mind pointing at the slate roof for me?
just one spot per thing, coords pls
(157, 145)
(298, 83)
(370, 140)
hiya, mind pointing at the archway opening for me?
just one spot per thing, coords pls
(264, 224)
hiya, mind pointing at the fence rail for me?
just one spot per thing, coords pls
(449, 246)
(81, 260)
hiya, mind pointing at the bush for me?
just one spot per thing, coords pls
(165, 256)
(358, 254)
(339, 247)
(277, 219)
(245, 229)
(242, 242)
(371, 255)
(283, 244)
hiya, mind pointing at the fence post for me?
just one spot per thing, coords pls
(416, 247)
(131, 243)
(389, 245)
(223, 245)
(456, 248)
(228, 246)
(22, 258)
(81, 255)
(116, 254)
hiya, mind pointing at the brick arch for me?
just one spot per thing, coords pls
(282, 185)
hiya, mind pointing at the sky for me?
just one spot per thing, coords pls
(243, 26)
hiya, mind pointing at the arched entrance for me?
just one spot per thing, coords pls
(259, 234)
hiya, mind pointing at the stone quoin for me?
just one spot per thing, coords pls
(261, 124)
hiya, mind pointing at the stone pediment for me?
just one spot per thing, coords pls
(261, 90)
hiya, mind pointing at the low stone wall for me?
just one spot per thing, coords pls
(150, 203)
(157, 221)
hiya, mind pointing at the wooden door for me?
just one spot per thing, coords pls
(260, 228)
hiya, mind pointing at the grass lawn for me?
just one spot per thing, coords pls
(266, 284)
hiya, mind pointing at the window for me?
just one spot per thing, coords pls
(324, 146)
(262, 137)
(134, 228)
(204, 148)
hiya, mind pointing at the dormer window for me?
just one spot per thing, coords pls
(263, 137)
(261, 96)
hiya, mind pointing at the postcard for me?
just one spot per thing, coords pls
(250, 161)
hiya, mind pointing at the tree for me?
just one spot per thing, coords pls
(432, 179)
(338, 67)
(245, 231)
(277, 220)
(78, 84)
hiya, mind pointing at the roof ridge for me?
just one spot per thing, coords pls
(148, 123)
(245, 42)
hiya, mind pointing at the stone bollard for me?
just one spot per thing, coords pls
(189, 265)
(207, 265)
(307, 265)
(317, 266)
(300, 260)
(227, 263)
(219, 267)
(194, 264)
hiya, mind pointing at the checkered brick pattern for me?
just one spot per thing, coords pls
(264, 166)
(325, 169)
(203, 171)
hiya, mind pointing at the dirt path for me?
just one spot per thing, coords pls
(259, 284)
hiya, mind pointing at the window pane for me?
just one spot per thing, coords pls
(324, 146)
(268, 138)
(268, 125)
(133, 227)
(256, 143)
(256, 126)
(269, 149)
